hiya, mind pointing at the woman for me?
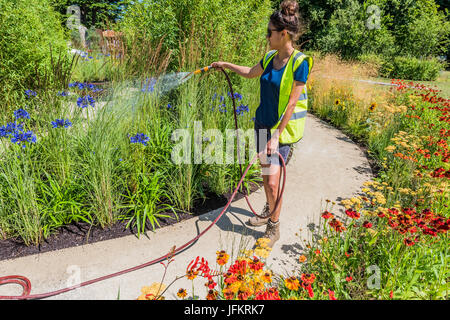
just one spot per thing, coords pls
(281, 114)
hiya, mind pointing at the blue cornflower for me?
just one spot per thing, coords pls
(169, 106)
(238, 96)
(140, 138)
(222, 98)
(59, 123)
(21, 113)
(62, 93)
(30, 93)
(10, 129)
(149, 85)
(81, 86)
(84, 102)
(241, 109)
(214, 96)
(73, 84)
(21, 138)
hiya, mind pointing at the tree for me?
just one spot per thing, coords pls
(97, 14)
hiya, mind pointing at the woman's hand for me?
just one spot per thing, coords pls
(218, 64)
(272, 144)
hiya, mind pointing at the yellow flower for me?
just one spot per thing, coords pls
(390, 148)
(337, 102)
(222, 258)
(292, 283)
(150, 292)
(267, 277)
(262, 242)
(262, 252)
(373, 106)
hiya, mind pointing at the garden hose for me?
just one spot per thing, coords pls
(26, 284)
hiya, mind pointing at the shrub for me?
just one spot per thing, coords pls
(28, 28)
(412, 68)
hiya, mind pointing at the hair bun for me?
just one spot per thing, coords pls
(289, 7)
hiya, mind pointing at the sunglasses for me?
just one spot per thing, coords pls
(269, 31)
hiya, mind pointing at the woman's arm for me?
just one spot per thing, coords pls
(243, 71)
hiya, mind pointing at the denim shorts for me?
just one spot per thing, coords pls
(262, 136)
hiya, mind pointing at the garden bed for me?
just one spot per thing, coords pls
(82, 233)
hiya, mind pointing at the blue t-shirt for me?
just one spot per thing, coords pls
(267, 112)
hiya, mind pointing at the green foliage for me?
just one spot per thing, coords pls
(227, 30)
(402, 27)
(94, 13)
(411, 68)
(150, 20)
(28, 29)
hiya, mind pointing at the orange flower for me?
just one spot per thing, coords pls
(337, 225)
(327, 215)
(222, 257)
(182, 293)
(267, 277)
(292, 283)
(317, 252)
(212, 295)
(302, 259)
(210, 284)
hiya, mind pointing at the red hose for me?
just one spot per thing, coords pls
(26, 284)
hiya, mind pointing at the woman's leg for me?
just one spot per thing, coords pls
(271, 187)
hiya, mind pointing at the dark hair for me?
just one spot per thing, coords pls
(288, 17)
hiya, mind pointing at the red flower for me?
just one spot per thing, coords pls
(408, 242)
(348, 279)
(210, 284)
(310, 291)
(367, 224)
(352, 214)
(256, 264)
(269, 294)
(337, 225)
(308, 278)
(331, 295)
(327, 215)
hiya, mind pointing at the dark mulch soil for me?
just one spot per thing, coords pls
(82, 233)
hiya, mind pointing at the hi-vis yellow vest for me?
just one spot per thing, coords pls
(293, 131)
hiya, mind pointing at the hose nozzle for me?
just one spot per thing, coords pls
(202, 70)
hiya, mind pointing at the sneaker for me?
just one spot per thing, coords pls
(272, 233)
(257, 221)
